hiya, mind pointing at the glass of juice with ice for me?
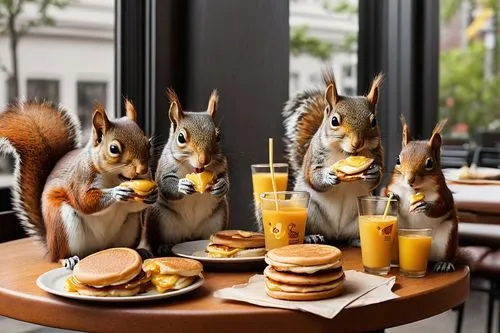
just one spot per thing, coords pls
(414, 249)
(377, 230)
(284, 216)
(261, 178)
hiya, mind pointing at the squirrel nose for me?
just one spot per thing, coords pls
(203, 159)
(410, 179)
(141, 169)
(356, 143)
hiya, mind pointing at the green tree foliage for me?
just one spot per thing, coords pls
(301, 42)
(15, 26)
(465, 96)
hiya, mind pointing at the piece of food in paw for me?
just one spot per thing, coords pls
(351, 168)
(304, 272)
(236, 243)
(201, 180)
(417, 197)
(141, 187)
(172, 273)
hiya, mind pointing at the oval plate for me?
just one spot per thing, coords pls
(53, 283)
(196, 250)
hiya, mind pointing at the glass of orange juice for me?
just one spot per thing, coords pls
(377, 232)
(261, 178)
(284, 216)
(414, 249)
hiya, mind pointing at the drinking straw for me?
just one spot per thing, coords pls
(387, 205)
(271, 166)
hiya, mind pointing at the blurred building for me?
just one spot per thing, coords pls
(329, 26)
(71, 62)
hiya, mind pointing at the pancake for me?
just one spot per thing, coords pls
(302, 279)
(295, 288)
(312, 296)
(138, 284)
(305, 255)
(236, 243)
(302, 269)
(141, 187)
(352, 168)
(109, 267)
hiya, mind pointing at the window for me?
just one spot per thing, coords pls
(89, 94)
(42, 89)
(350, 91)
(323, 33)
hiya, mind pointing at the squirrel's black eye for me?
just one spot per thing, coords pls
(374, 122)
(398, 161)
(115, 148)
(335, 121)
(181, 139)
(429, 163)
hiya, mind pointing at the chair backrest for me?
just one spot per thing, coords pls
(10, 227)
(487, 157)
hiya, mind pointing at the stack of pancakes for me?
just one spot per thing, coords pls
(304, 272)
(171, 273)
(112, 272)
(235, 244)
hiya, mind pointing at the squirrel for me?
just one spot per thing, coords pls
(69, 197)
(418, 171)
(321, 129)
(181, 213)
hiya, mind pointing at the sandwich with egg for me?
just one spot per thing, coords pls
(113, 272)
(236, 244)
(171, 273)
(142, 187)
(351, 168)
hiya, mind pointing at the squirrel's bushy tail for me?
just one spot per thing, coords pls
(303, 115)
(38, 134)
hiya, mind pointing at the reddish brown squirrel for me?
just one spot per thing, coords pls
(70, 197)
(321, 128)
(425, 201)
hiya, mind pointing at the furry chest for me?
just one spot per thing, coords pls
(196, 207)
(105, 225)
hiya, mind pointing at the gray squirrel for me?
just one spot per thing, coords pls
(181, 213)
(321, 128)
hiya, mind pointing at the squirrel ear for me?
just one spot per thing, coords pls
(331, 95)
(213, 103)
(374, 90)
(100, 124)
(406, 131)
(175, 112)
(435, 140)
(130, 110)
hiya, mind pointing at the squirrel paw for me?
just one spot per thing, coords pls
(186, 186)
(373, 173)
(419, 207)
(394, 196)
(331, 178)
(151, 198)
(123, 193)
(314, 239)
(145, 253)
(220, 188)
(443, 267)
(164, 250)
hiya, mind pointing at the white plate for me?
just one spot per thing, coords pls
(196, 250)
(451, 175)
(53, 283)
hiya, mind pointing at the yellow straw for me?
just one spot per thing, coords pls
(271, 166)
(387, 205)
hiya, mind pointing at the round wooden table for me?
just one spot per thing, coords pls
(22, 262)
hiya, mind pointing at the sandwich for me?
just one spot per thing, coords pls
(112, 272)
(141, 187)
(236, 244)
(201, 180)
(417, 197)
(304, 272)
(171, 273)
(351, 168)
